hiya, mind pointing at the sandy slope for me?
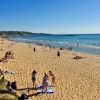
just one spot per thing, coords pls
(76, 79)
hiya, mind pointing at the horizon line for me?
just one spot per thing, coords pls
(50, 33)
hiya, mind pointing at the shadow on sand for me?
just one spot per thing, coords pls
(27, 89)
(3, 91)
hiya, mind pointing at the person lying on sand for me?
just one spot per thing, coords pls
(12, 44)
(7, 72)
(45, 82)
(77, 57)
(10, 90)
(34, 78)
(52, 77)
(3, 60)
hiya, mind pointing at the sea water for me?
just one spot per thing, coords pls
(88, 43)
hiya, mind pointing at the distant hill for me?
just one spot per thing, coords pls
(7, 33)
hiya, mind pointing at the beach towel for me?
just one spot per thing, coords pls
(40, 90)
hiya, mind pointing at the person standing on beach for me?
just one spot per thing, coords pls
(58, 54)
(34, 49)
(77, 43)
(52, 77)
(34, 78)
(45, 82)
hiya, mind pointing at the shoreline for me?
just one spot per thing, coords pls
(64, 48)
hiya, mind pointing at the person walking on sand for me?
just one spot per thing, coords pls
(58, 53)
(34, 49)
(45, 82)
(34, 78)
(52, 78)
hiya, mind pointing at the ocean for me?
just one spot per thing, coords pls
(88, 43)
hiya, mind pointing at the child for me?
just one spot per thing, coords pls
(52, 77)
(34, 78)
(45, 82)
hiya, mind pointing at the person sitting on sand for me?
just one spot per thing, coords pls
(45, 82)
(34, 78)
(2, 74)
(6, 55)
(13, 85)
(58, 54)
(29, 45)
(10, 90)
(52, 77)
(77, 57)
(10, 54)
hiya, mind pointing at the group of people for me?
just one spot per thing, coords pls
(45, 80)
(12, 87)
(8, 55)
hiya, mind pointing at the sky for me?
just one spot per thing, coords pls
(50, 16)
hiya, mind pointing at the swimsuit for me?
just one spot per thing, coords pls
(33, 78)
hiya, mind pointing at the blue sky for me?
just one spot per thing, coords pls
(50, 16)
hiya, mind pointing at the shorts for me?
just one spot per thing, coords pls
(33, 79)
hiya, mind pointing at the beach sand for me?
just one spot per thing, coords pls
(75, 79)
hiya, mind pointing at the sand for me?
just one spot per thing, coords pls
(75, 79)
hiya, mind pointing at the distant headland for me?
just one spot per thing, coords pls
(6, 34)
